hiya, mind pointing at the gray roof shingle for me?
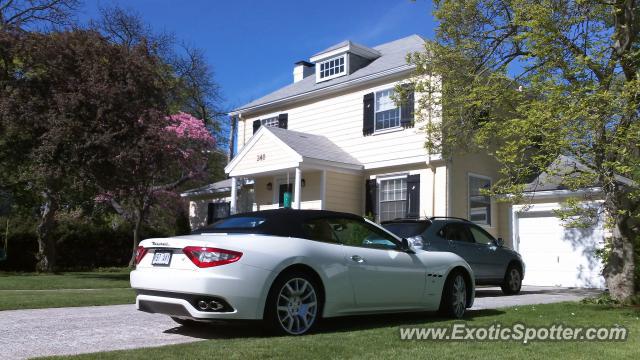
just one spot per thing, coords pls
(313, 146)
(392, 55)
(561, 167)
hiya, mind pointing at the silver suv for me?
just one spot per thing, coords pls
(492, 263)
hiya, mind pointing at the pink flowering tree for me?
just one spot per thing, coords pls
(168, 152)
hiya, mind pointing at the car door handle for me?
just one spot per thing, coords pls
(357, 259)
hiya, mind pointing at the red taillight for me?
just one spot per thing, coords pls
(140, 253)
(207, 257)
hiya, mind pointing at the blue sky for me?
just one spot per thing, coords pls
(252, 45)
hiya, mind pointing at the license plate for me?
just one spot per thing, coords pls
(161, 258)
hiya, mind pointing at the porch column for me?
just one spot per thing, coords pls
(234, 195)
(297, 189)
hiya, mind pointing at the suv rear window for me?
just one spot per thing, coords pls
(407, 229)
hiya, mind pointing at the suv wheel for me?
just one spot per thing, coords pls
(512, 281)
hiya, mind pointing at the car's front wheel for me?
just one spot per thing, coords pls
(512, 281)
(454, 296)
(293, 305)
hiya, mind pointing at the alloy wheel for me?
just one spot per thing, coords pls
(297, 306)
(459, 297)
(514, 280)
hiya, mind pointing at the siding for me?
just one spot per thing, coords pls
(478, 164)
(339, 118)
(275, 154)
(344, 192)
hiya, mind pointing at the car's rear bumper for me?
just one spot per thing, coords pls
(177, 292)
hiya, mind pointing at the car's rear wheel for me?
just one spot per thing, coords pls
(293, 305)
(512, 281)
(454, 296)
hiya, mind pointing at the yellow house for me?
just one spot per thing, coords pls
(336, 139)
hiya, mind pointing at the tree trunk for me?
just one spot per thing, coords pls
(46, 243)
(619, 271)
(136, 235)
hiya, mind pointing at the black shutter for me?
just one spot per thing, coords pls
(256, 125)
(211, 208)
(368, 114)
(371, 198)
(283, 120)
(413, 196)
(407, 108)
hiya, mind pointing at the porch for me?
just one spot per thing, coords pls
(317, 173)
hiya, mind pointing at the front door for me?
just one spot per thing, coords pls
(381, 275)
(283, 189)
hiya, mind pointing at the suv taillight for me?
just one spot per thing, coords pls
(205, 257)
(140, 253)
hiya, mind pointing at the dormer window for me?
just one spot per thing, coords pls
(332, 68)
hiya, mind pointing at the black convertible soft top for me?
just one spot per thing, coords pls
(278, 222)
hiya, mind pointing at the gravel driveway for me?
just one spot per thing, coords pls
(63, 331)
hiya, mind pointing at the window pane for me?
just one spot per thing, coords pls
(481, 237)
(387, 113)
(355, 233)
(238, 223)
(320, 230)
(393, 198)
(479, 204)
(457, 232)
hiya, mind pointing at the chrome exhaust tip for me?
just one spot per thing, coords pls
(215, 306)
(202, 305)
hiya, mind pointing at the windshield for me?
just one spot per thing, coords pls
(407, 229)
(240, 222)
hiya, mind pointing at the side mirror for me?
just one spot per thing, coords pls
(406, 247)
(500, 242)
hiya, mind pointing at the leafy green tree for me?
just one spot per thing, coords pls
(528, 81)
(74, 110)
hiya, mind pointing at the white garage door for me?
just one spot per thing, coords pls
(559, 256)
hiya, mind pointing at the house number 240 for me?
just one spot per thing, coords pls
(261, 157)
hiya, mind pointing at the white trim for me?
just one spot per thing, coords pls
(234, 196)
(310, 163)
(545, 194)
(297, 189)
(387, 130)
(347, 48)
(489, 224)
(396, 71)
(252, 142)
(323, 189)
(396, 162)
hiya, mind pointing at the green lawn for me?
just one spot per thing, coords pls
(378, 338)
(33, 291)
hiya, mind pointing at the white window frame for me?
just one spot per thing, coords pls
(382, 178)
(375, 112)
(478, 176)
(345, 60)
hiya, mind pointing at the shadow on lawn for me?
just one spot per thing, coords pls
(102, 276)
(248, 329)
(492, 292)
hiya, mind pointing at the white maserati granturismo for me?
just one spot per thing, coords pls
(291, 268)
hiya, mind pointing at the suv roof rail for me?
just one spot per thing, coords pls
(449, 217)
